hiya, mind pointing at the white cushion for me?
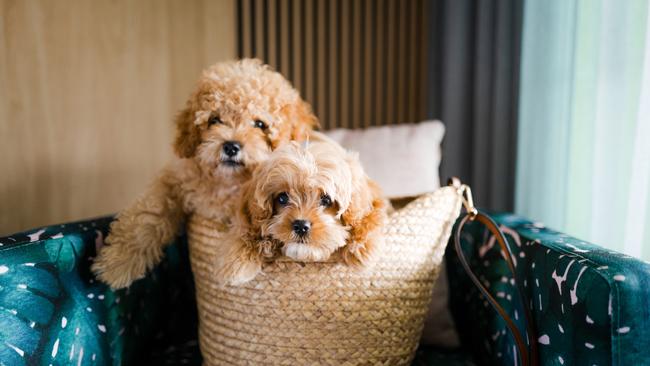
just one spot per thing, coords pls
(403, 159)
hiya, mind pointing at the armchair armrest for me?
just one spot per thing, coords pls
(53, 311)
(590, 305)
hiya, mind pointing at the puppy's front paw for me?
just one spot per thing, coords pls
(238, 272)
(118, 269)
(359, 254)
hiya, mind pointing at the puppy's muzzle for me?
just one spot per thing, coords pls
(301, 227)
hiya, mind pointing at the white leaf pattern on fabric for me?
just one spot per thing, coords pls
(544, 339)
(560, 279)
(574, 290)
(36, 236)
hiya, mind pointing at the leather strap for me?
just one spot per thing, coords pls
(526, 347)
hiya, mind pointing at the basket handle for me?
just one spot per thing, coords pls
(527, 348)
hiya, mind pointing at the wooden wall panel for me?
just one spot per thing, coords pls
(359, 62)
(88, 90)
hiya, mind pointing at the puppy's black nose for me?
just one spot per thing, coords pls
(231, 148)
(301, 227)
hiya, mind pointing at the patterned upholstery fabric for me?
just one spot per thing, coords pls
(591, 306)
(52, 312)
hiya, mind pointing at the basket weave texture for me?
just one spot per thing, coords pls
(326, 313)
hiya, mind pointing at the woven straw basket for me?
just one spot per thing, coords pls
(326, 313)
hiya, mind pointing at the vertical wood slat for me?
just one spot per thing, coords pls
(359, 63)
(333, 76)
(420, 44)
(285, 60)
(260, 30)
(379, 76)
(391, 54)
(422, 61)
(338, 71)
(245, 25)
(264, 37)
(297, 45)
(400, 56)
(308, 46)
(414, 40)
(320, 62)
(240, 28)
(405, 76)
(356, 60)
(345, 72)
(252, 24)
(316, 42)
(272, 35)
(368, 62)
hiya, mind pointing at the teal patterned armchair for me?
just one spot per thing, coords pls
(591, 306)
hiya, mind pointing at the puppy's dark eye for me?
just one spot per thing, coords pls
(260, 124)
(325, 200)
(282, 199)
(214, 120)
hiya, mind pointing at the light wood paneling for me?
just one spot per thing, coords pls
(88, 91)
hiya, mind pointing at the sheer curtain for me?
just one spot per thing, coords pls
(583, 162)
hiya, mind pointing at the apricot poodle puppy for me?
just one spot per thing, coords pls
(239, 113)
(309, 203)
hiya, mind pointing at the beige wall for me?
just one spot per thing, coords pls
(88, 90)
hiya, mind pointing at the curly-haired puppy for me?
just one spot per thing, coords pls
(308, 203)
(239, 113)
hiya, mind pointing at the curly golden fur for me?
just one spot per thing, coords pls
(239, 113)
(306, 203)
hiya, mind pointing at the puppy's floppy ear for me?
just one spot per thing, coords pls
(254, 209)
(188, 135)
(239, 256)
(365, 216)
(249, 218)
(302, 120)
